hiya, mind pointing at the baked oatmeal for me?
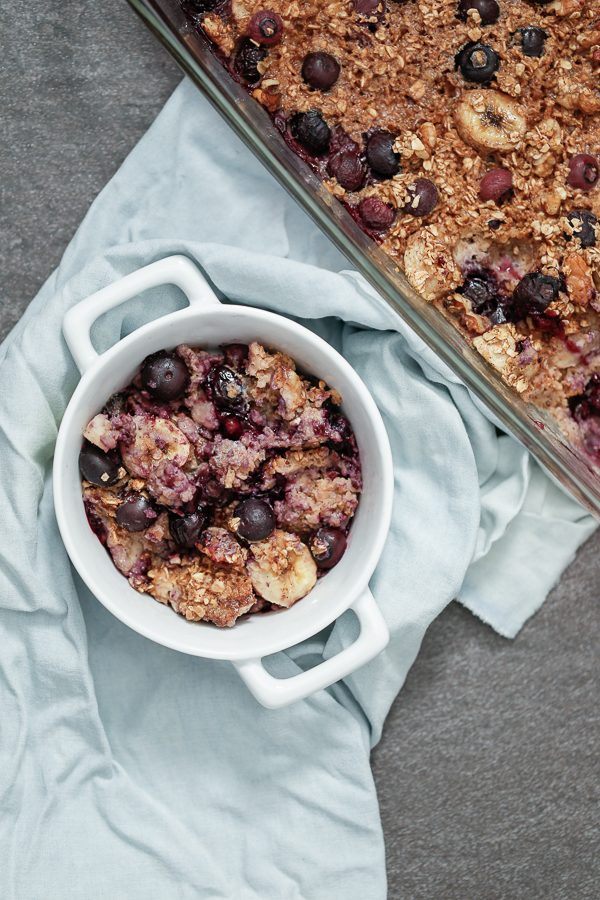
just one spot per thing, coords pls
(222, 482)
(464, 136)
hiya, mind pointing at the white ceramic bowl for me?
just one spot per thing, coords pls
(207, 322)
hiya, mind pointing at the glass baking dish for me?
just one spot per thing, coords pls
(536, 429)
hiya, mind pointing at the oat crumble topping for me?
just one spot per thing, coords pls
(221, 482)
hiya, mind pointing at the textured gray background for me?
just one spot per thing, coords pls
(488, 770)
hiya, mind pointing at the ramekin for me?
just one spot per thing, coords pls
(205, 321)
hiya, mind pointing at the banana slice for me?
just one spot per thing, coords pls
(429, 265)
(490, 120)
(100, 433)
(156, 440)
(498, 347)
(282, 569)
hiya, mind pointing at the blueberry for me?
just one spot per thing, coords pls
(247, 59)
(186, 530)
(583, 222)
(257, 519)
(532, 40)
(381, 156)
(477, 62)
(202, 6)
(482, 290)
(312, 131)
(495, 184)
(226, 390)
(533, 294)
(367, 7)
(165, 376)
(348, 169)
(266, 27)
(232, 427)
(372, 10)
(584, 171)
(115, 405)
(320, 70)
(236, 356)
(587, 404)
(98, 467)
(488, 10)
(376, 215)
(422, 198)
(327, 546)
(340, 425)
(135, 513)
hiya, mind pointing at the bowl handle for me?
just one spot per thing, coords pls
(177, 270)
(276, 692)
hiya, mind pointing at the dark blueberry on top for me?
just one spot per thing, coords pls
(266, 27)
(367, 7)
(256, 519)
(533, 294)
(482, 290)
(115, 405)
(136, 513)
(422, 198)
(584, 171)
(247, 60)
(312, 131)
(320, 70)
(235, 355)
(201, 6)
(340, 425)
(226, 390)
(496, 185)
(477, 62)
(532, 40)
(327, 546)
(186, 530)
(583, 223)
(376, 214)
(232, 427)
(348, 169)
(487, 9)
(165, 376)
(98, 467)
(587, 404)
(381, 156)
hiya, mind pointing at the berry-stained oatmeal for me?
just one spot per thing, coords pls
(221, 482)
(464, 136)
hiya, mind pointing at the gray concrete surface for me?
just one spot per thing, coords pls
(488, 770)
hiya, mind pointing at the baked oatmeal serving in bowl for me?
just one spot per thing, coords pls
(223, 481)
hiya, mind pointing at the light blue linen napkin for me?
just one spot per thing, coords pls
(131, 771)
